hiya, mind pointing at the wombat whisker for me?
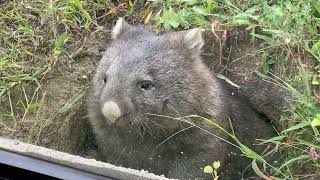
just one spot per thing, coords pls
(142, 127)
(86, 116)
(138, 125)
(120, 155)
(150, 130)
(176, 133)
(174, 109)
(157, 126)
(177, 112)
(161, 126)
(187, 119)
(169, 117)
(191, 123)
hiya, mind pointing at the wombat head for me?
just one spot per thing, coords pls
(142, 75)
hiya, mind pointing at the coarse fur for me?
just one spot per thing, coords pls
(143, 136)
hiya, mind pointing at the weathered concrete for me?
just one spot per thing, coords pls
(77, 162)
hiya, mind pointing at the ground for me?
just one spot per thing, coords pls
(49, 50)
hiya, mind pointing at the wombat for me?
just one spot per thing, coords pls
(145, 94)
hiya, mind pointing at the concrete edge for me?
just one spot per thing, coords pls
(77, 162)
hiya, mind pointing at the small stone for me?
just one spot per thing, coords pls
(84, 77)
(15, 142)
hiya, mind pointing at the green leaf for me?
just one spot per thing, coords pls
(263, 37)
(33, 106)
(27, 78)
(71, 102)
(298, 126)
(200, 10)
(208, 170)
(275, 140)
(245, 18)
(316, 121)
(315, 80)
(78, 4)
(265, 68)
(316, 12)
(60, 41)
(170, 19)
(131, 7)
(190, 2)
(201, 21)
(216, 177)
(26, 29)
(287, 163)
(251, 11)
(216, 164)
(2, 91)
(39, 72)
(316, 47)
(241, 22)
(270, 61)
(257, 170)
(185, 18)
(211, 6)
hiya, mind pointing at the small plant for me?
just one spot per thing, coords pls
(183, 14)
(131, 7)
(213, 170)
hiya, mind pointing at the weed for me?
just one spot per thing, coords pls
(283, 25)
(183, 14)
(213, 170)
(132, 6)
(301, 133)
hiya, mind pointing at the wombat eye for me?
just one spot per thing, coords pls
(146, 85)
(105, 79)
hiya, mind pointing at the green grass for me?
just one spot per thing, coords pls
(35, 36)
(301, 133)
(287, 27)
(290, 33)
(184, 14)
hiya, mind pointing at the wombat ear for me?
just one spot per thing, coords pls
(121, 27)
(193, 39)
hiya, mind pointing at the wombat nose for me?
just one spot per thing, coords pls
(111, 111)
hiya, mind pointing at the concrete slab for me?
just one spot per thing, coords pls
(76, 163)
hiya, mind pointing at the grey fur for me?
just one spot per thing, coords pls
(182, 86)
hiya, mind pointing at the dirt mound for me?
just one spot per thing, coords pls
(61, 97)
